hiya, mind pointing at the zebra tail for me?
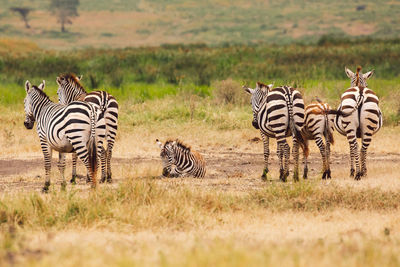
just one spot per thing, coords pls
(297, 133)
(341, 113)
(92, 149)
(327, 131)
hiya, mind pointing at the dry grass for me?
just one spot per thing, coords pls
(229, 218)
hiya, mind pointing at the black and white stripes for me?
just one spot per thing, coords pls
(279, 113)
(70, 90)
(78, 127)
(358, 116)
(180, 160)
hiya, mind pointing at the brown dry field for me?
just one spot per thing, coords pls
(332, 237)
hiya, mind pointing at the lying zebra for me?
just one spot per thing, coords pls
(77, 127)
(186, 161)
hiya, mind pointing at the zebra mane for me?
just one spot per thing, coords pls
(70, 77)
(41, 92)
(180, 144)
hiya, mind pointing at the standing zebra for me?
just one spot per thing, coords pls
(358, 116)
(77, 127)
(70, 89)
(279, 113)
(185, 160)
(318, 124)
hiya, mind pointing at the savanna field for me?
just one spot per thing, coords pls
(193, 91)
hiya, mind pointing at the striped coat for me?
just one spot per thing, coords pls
(180, 160)
(279, 113)
(319, 125)
(70, 89)
(78, 127)
(359, 116)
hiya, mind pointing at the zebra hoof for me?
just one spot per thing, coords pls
(45, 188)
(264, 174)
(88, 180)
(109, 179)
(73, 180)
(324, 175)
(296, 176)
(282, 176)
(352, 171)
(305, 173)
(328, 174)
(102, 180)
(358, 176)
(63, 186)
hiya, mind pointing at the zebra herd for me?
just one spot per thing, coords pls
(81, 123)
(280, 113)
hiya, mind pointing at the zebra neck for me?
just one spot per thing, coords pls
(39, 104)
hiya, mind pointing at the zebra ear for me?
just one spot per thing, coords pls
(80, 77)
(349, 73)
(248, 90)
(368, 74)
(270, 86)
(27, 86)
(159, 143)
(41, 86)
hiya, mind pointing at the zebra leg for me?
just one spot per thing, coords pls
(365, 143)
(103, 155)
(351, 160)
(47, 152)
(354, 155)
(110, 145)
(74, 159)
(296, 160)
(305, 171)
(328, 159)
(61, 168)
(266, 155)
(320, 143)
(287, 158)
(281, 152)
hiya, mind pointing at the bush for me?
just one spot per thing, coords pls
(229, 92)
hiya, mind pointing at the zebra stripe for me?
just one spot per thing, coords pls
(359, 116)
(70, 89)
(279, 113)
(318, 125)
(77, 127)
(186, 161)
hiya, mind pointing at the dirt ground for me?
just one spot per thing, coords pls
(223, 164)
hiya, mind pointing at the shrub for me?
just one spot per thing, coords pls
(229, 92)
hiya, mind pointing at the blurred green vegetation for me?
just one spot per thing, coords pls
(135, 75)
(201, 65)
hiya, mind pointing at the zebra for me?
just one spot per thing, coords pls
(358, 116)
(78, 127)
(70, 89)
(319, 124)
(186, 161)
(279, 113)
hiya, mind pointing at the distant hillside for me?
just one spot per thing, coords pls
(121, 23)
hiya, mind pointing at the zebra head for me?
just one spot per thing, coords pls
(30, 92)
(69, 88)
(358, 79)
(258, 97)
(167, 155)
